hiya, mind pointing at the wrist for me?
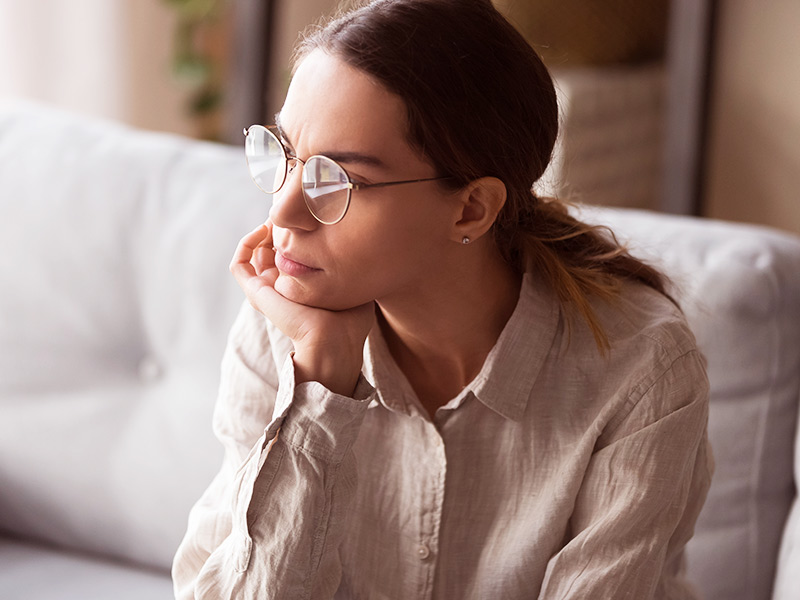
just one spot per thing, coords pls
(335, 368)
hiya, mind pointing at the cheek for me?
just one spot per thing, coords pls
(387, 258)
(364, 268)
(382, 245)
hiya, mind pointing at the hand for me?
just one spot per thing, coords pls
(328, 344)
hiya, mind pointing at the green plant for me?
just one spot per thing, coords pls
(193, 64)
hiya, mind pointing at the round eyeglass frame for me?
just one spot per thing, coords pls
(349, 185)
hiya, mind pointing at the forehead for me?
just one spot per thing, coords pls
(331, 105)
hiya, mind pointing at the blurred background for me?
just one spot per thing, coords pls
(685, 106)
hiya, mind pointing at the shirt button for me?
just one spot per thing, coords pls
(423, 551)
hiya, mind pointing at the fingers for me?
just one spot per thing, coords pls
(241, 265)
(264, 254)
(253, 267)
(263, 259)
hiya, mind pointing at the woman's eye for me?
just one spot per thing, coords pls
(355, 180)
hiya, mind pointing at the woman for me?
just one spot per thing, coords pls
(458, 391)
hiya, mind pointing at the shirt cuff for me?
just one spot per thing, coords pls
(315, 420)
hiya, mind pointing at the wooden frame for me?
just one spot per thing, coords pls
(689, 54)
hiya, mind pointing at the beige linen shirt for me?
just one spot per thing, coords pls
(557, 473)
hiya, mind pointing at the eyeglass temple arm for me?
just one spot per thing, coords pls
(360, 186)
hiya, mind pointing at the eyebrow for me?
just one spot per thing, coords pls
(340, 156)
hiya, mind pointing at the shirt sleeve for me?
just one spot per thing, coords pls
(271, 522)
(643, 489)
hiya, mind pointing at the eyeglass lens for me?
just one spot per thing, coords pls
(325, 184)
(266, 159)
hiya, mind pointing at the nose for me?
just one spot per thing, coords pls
(289, 210)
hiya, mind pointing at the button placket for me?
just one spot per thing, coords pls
(436, 470)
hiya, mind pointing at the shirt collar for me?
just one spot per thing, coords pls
(505, 382)
(394, 391)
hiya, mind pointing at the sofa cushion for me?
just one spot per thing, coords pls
(32, 572)
(740, 290)
(116, 301)
(787, 581)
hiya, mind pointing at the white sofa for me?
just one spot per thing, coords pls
(115, 301)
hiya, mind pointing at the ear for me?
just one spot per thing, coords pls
(480, 203)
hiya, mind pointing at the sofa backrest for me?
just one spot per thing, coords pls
(115, 302)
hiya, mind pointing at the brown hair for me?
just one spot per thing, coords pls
(480, 102)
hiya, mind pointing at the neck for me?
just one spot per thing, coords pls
(440, 338)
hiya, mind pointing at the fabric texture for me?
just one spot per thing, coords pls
(557, 472)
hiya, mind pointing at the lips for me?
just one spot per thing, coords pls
(291, 267)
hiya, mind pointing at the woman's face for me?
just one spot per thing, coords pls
(393, 241)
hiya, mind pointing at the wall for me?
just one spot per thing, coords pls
(109, 58)
(41, 43)
(753, 161)
(291, 20)
(155, 100)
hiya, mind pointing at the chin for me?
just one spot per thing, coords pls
(291, 289)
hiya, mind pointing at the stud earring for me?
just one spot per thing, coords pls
(465, 240)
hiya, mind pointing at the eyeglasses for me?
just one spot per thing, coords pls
(326, 185)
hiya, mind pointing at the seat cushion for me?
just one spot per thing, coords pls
(31, 572)
(116, 301)
(740, 290)
(787, 580)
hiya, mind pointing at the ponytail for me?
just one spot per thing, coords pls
(577, 260)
